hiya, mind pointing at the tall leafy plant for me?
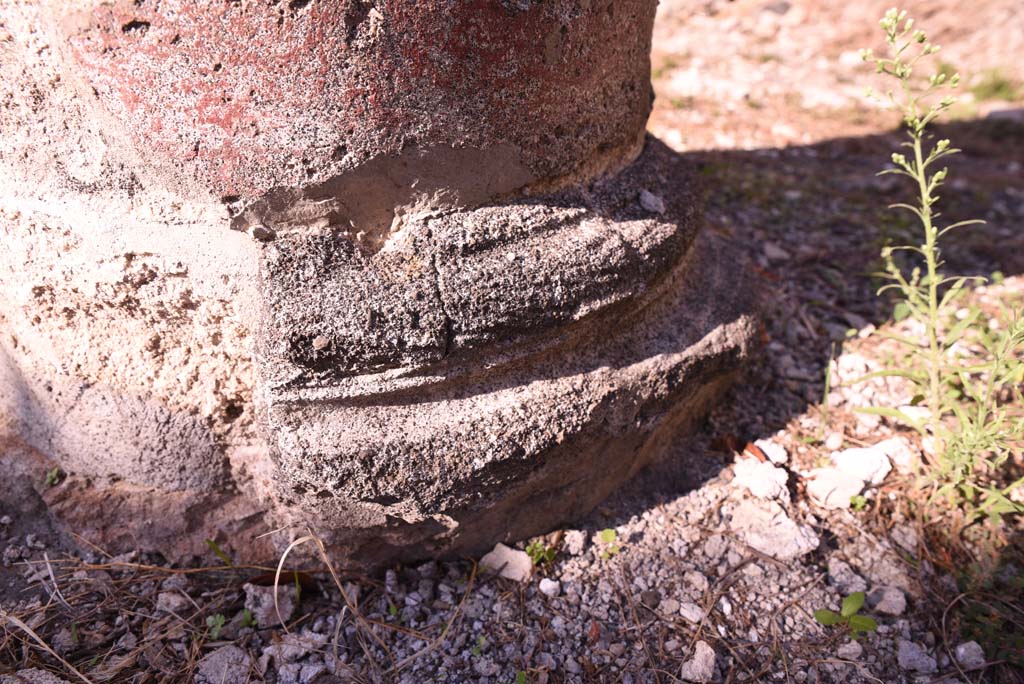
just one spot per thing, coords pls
(970, 431)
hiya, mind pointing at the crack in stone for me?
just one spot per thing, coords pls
(449, 333)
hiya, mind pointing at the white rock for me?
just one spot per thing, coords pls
(905, 537)
(226, 664)
(882, 566)
(508, 563)
(776, 453)
(760, 479)
(715, 547)
(575, 541)
(669, 606)
(834, 442)
(766, 527)
(901, 454)
(916, 413)
(293, 647)
(970, 655)
(851, 650)
(774, 252)
(550, 587)
(869, 464)
(843, 578)
(851, 366)
(311, 673)
(651, 202)
(912, 657)
(887, 600)
(260, 602)
(725, 605)
(832, 488)
(851, 58)
(289, 673)
(696, 580)
(867, 423)
(691, 612)
(701, 667)
(171, 602)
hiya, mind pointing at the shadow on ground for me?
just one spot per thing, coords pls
(811, 221)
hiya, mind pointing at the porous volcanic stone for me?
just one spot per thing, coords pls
(514, 364)
(406, 273)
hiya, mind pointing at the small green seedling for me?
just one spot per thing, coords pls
(481, 644)
(521, 677)
(858, 502)
(247, 619)
(215, 623)
(53, 477)
(609, 538)
(848, 616)
(219, 552)
(540, 553)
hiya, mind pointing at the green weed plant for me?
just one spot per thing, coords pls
(971, 431)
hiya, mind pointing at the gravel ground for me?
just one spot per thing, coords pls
(709, 568)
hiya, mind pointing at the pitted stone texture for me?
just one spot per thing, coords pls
(123, 352)
(527, 412)
(245, 97)
(456, 283)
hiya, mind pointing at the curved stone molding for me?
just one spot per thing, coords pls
(404, 272)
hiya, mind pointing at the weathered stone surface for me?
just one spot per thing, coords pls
(766, 527)
(456, 283)
(554, 423)
(226, 664)
(240, 99)
(265, 610)
(407, 273)
(509, 563)
(32, 676)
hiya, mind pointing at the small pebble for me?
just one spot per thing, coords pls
(913, 657)
(691, 612)
(651, 202)
(171, 602)
(851, 650)
(701, 667)
(669, 606)
(776, 453)
(887, 600)
(970, 655)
